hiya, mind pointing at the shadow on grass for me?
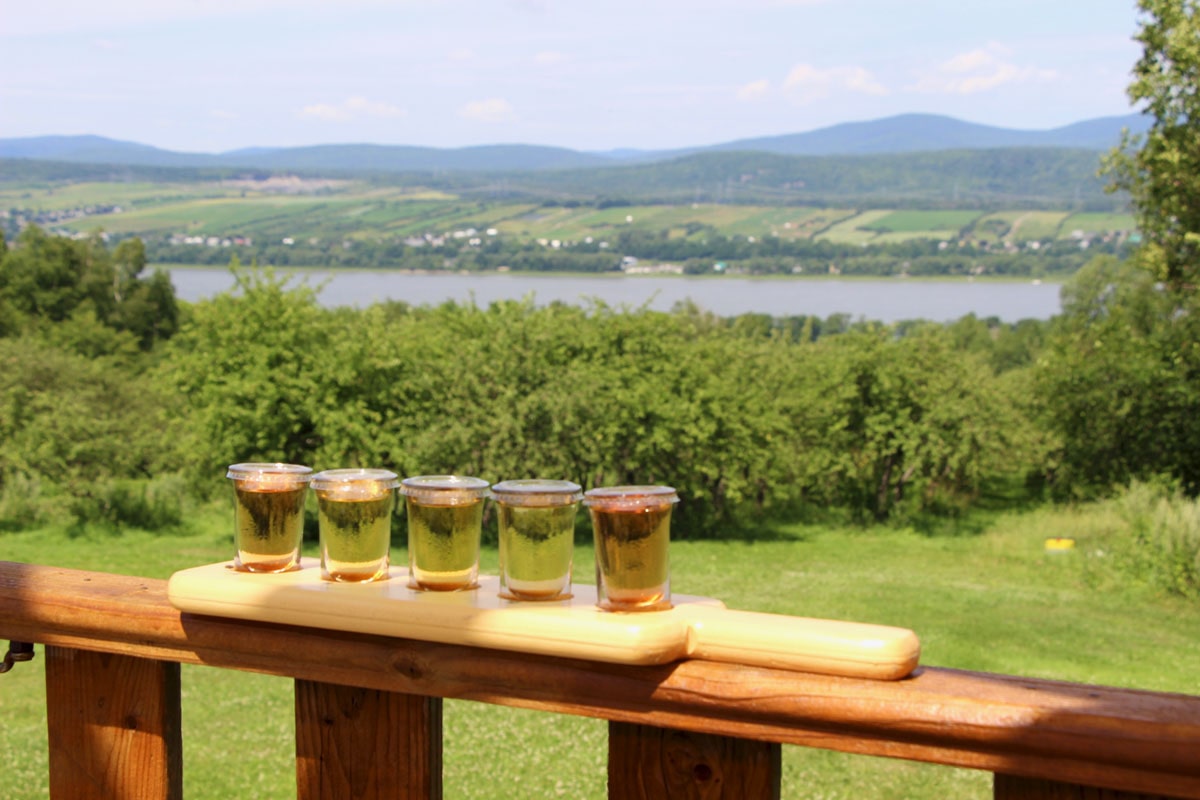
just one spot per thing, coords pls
(791, 523)
(994, 499)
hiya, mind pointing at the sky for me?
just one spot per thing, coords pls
(216, 75)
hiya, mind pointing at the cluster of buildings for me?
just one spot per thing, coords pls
(179, 239)
(19, 218)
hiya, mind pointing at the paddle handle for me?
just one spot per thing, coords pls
(829, 647)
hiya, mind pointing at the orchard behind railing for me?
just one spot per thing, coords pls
(368, 708)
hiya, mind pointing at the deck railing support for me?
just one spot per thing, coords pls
(648, 763)
(366, 744)
(114, 726)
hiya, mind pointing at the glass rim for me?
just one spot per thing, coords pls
(537, 492)
(330, 478)
(445, 489)
(630, 496)
(251, 469)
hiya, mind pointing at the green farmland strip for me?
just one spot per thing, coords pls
(909, 221)
(856, 229)
(1098, 223)
(336, 210)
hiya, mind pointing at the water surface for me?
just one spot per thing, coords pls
(884, 299)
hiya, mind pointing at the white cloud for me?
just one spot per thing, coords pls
(809, 83)
(373, 108)
(352, 108)
(754, 90)
(978, 70)
(549, 57)
(494, 109)
(325, 112)
(220, 113)
(461, 54)
(971, 61)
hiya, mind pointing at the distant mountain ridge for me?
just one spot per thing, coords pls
(906, 133)
(910, 133)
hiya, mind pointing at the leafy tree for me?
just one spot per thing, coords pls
(1163, 174)
(1122, 373)
(907, 425)
(248, 367)
(1112, 386)
(40, 277)
(46, 280)
(147, 308)
(129, 259)
(76, 426)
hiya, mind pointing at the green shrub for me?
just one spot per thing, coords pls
(72, 430)
(1147, 537)
(25, 504)
(153, 505)
(1161, 544)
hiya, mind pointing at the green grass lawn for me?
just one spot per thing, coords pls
(855, 229)
(983, 594)
(882, 226)
(1036, 225)
(1097, 223)
(575, 224)
(916, 221)
(1019, 226)
(76, 195)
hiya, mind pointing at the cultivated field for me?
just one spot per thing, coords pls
(343, 210)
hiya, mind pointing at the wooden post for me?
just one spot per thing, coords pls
(114, 726)
(648, 763)
(1014, 787)
(366, 743)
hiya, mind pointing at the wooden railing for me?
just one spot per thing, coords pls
(368, 708)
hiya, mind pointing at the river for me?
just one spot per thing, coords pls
(883, 299)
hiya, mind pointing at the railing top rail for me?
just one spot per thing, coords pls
(1093, 735)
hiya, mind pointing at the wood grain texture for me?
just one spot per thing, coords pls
(1090, 735)
(366, 744)
(114, 726)
(648, 763)
(1012, 787)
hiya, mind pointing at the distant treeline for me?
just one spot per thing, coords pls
(697, 254)
(120, 404)
(1008, 177)
(1051, 178)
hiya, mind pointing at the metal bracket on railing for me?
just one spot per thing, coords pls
(17, 651)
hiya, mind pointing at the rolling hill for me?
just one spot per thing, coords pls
(908, 133)
(913, 133)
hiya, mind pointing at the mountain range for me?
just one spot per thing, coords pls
(906, 133)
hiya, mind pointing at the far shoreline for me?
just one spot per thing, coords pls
(302, 268)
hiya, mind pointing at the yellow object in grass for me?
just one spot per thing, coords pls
(1060, 543)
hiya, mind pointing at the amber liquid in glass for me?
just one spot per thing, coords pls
(537, 544)
(632, 547)
(269, 524)
(356, 531)
(443, 545)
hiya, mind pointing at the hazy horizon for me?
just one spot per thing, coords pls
(224, 75)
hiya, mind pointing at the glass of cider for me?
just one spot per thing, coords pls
(354, 515)
(268, 515)
(445, 522)
(632, 527)
(537, 537)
